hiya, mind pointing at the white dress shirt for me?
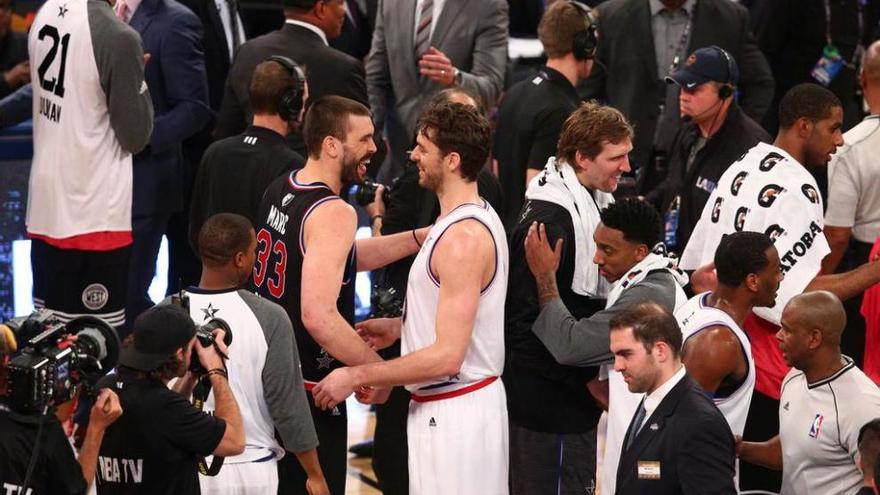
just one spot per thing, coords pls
(654, 399)
(438, 8)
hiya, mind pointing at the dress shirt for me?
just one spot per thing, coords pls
(226, 20)
(438, 9)
(654, 399)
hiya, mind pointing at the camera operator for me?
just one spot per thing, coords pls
(155, 446)
(54, 468)
(264, 369)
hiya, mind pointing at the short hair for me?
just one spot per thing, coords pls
(445, 96)
(300, 5)
(222, 236)
(328, 116)
(636, 218)
(587, 130)
(650, 323)
(458, 128)
(740, 254)
(268, 82)
(558, 27)
(806, 100)
(869, 444)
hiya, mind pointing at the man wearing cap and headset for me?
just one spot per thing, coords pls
(155, 446)
(716, 132)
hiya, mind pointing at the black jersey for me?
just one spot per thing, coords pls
(278, 270)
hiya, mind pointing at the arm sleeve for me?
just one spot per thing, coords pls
(17, 107)
(65, 474)
(706, 458)
(186, 85)
(188, 428)
(283, 386)
(120, 60)
(756, 81)
(843, 194)
(585, 342)
(378, 73)
(486, 75)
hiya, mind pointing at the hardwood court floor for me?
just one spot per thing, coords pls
(361, 423)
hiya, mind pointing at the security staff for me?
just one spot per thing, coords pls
(716, 133)
(530, 117)
(235, 171)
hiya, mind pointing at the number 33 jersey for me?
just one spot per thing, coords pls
(91, 109)
(278, 269)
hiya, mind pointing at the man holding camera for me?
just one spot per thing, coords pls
(54, 465)
(155, 446)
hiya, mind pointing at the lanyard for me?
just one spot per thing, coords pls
(857, 53)
(682, 42)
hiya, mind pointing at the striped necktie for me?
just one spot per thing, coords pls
(423, 29)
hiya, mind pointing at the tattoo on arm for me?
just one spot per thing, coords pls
(547, 290)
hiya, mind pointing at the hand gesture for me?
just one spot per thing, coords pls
(18, 75)
(372, 395)
(436, 66)
(379, 333)
(105, 411)
(541, 258)
(209, 356)
(704, 279)
(317, 486)
(377, 207)
(333, 389)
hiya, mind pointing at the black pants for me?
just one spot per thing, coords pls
(390, 462)
(332, 429)
(762, 424)
(147, 233)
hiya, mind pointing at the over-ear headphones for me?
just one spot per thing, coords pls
(584, 42)
(726, 90)
(291, 100)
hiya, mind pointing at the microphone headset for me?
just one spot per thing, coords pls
(724, 92)
(584, 42)
(291, 100)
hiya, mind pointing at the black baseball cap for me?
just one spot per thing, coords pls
(158, 333)
(711, 63)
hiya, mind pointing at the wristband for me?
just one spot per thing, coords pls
(218, 371)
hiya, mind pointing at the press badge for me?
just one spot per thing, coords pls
(649, 470)
(828, 66)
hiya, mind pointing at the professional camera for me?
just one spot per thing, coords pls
(49, 365)
(204, 333)
(365, 193)
(386, 302)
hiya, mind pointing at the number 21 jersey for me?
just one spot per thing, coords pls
(280, 252)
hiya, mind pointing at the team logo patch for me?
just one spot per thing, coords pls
(769, 194)
(770, 161)
(816, 426)
(288, 198)
(432, 422)
(716, 210)
(739, 221)
(738, 182)
(95, 297)
(810, 192)
(774, 231)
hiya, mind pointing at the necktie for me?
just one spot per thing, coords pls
(232, 5)
(636, 424)
(423, 29)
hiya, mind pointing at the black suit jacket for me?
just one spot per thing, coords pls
(626, 76)
(329, 72)
(690, 439)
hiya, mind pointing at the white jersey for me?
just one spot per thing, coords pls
(819, 426)
(766, 191)
(854, 182)
(81, 178)
(696, 315)
(485, 355)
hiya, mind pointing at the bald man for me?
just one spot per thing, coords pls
(825, 401)
(852, 221)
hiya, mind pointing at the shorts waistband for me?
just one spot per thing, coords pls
(309, 385)
(455, 393)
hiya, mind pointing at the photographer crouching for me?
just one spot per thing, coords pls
(42, 363)
(156, 446)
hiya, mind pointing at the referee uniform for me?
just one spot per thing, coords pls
(234, 174)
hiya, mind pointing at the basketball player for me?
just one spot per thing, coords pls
(306, 262)
(453, 324)
(716, 350)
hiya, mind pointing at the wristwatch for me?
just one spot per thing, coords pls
(456, 75)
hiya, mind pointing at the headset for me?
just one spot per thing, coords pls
(291, 100)
(584, 42)
(726, 90)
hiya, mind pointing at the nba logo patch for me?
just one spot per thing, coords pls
(817, 424)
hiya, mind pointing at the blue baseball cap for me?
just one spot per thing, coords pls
(711, 63)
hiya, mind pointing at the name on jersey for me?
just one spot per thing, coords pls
(277, 220)
(115, 470)
(800, 248)
(49, 109)
(10, 489)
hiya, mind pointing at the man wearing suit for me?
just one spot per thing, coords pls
(678, 441)
(303, 38)
(357, 30)
(423, 46)
(172, 36)
(642, 41)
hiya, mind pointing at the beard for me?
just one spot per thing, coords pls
(350, 165)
